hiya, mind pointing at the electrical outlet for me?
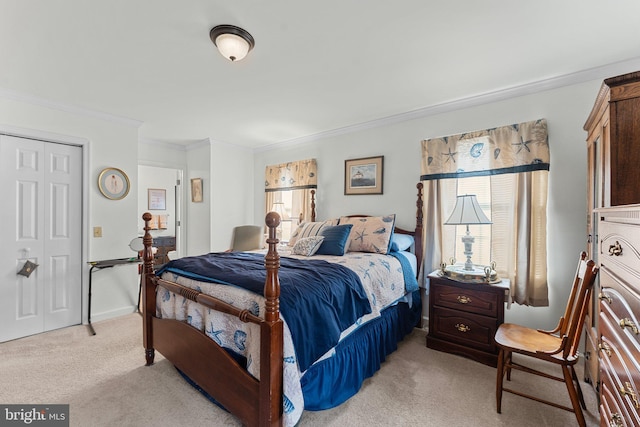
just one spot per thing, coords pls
(97, 231)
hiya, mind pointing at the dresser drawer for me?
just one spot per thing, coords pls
(612, 409)
(620, 249)
(467, 329)
(467, 299)
(621, 306)
(619, 365)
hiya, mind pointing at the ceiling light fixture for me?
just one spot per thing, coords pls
(233, 42)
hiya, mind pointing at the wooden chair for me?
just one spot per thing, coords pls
(247, 238)
(559, 346)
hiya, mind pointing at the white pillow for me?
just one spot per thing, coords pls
(307, 246)
(401, 242)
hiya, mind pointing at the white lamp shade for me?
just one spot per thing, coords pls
(467, 211)
(279, 208)
(232, 47)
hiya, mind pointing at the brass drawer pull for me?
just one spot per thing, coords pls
(630, 392)
(603, 296)
(616, 420)
(604, 346)
(627, 323)
(462, 327)
(463, 299)
(615, 249)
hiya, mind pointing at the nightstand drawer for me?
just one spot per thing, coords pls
(465, 299)
(467, 329)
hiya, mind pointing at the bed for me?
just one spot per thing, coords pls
(266, 372)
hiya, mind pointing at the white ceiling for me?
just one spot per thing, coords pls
(317, 66)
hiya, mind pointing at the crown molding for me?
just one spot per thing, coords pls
(556, 82)
(42, 102)
(41, 135)
(206, 142)
(168, 145)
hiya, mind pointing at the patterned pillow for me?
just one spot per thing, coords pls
(307, 246)
(308, 229)
(370, 233)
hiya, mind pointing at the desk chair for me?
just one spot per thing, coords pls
(246, 238)
(559, 346)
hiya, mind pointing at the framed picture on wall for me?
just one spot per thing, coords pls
(113, 183)
(196, 190)
(157, 199)
(363, 176)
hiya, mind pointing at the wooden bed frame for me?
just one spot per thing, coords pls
(254, 402)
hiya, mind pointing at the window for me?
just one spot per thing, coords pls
(481, 187)
(284, 206)
(507, 169)
(289, 189)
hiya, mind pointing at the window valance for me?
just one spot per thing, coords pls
(507, 149)
(301, 174)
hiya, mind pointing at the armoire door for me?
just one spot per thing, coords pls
(41, 222)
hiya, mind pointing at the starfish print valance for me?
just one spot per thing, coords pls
(300, 174)
(516, 148)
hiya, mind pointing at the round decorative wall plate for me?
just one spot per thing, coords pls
(113, 183)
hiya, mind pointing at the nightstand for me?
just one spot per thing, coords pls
(464, 317)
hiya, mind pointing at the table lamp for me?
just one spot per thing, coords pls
(466, 212)
(279, 208)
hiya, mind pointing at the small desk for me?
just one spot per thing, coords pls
(99, 265)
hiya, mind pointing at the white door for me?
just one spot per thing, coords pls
(40, 221)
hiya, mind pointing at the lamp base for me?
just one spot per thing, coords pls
(478, 274)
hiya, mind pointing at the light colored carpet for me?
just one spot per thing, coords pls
(104, 380)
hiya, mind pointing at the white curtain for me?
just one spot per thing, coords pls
(300, 207)
(516, 158)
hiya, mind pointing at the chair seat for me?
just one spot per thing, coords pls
(520, 339)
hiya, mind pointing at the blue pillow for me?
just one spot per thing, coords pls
(401, 242)
(335, 240)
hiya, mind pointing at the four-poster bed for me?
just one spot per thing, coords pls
(258, 398)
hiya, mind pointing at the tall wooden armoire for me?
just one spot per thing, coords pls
(612, 342)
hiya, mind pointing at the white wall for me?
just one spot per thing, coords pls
(231, 192)
(565, 109)
(198, 215)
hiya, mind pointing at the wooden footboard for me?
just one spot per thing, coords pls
(255, 403)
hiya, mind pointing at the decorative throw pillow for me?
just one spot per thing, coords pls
(307, 246)
(308, 229)
(370, 233)
(336, 240)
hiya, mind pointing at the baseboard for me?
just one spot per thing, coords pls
(105, 315)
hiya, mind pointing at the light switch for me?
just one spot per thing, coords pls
(97, 231)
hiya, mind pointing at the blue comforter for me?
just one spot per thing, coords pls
(318, 299)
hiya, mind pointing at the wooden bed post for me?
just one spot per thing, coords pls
(148, 291)
(313, 205)
(419, 227)
(271, 336)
